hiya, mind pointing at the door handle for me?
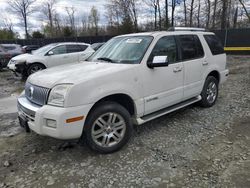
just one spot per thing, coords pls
(205, 63)
(177, 69)
(65, 56)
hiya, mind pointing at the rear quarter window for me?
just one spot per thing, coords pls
(214, 44)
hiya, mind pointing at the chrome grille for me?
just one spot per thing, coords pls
(36, 94)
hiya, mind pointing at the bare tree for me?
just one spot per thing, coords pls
(48, 10)
(185, 12)
(71, 17)
(166, 14)
(94, 18)
(23, 9)
(191, 13)
(245, 9)
(173, 5)
(208, 9)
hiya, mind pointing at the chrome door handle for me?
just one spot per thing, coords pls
(205, 63)
(177, 69)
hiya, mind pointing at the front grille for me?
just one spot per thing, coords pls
(36, 94)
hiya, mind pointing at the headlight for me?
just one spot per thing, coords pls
(58, 94)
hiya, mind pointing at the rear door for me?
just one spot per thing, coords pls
(194, 61)
(73, 51)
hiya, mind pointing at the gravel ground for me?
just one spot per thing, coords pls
(193, 147)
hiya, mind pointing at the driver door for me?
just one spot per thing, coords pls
(163, 85)
(59, 56)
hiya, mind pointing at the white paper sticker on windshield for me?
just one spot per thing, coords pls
(134, 41)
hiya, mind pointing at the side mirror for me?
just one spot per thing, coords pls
(159, 61)
(50, 53)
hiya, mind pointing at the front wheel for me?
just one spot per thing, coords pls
(108, 127)
(209, 93)
(35, 68)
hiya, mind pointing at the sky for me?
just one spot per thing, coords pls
(36, 20)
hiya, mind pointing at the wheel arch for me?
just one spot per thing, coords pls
(123, 99)
(36, 62)
(215, 74)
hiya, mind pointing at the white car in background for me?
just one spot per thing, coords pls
(50, 56)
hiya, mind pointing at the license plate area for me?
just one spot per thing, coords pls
(23, 121)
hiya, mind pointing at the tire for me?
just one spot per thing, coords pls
(33, 68)
(101, 134)
(210, 92)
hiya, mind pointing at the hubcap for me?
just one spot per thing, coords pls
(35, 69)
(211, 92)
(108, 130)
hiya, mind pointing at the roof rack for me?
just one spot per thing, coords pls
(186, 29)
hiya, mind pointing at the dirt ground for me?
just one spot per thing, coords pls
(193, 147)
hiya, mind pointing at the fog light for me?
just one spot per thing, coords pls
(51, 123)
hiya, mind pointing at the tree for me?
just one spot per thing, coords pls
(166, 14)
(6, 34)
(71, 17)
(48, 10)
(23, 9)
(37, 35)
(245, 9)
(94, 18)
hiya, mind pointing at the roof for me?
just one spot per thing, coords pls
(157, 33)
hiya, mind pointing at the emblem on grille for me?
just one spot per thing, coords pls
(31, 92)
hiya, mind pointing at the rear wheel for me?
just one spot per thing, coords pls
(108, 127)
(35, 68)
(210, 92)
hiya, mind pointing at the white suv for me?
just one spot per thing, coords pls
(49, 56)
(132, 79)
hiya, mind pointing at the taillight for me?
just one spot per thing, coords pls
(23, 50)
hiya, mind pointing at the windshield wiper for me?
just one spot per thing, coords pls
(106, 59)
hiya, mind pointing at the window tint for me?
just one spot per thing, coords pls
(165, 46)
(73, 48)
(191, 47)
(83, 47)
(59, 50)
(9, 47)
(214, 44)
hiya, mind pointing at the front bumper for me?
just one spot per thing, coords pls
(20, 68)
(224, 75)
(37, 118)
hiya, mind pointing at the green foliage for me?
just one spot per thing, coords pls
(37, 35)
(6, 34)
(67, 32)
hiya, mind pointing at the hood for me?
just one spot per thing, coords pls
(22, 57)
(75, 73)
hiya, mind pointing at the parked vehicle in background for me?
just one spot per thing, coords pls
(49, 56)
(30, 48)
(132, 79)
(4, 57)
(13, 49)
(96, 46)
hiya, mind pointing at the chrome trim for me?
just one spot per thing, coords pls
(36, 94)
(26, 107)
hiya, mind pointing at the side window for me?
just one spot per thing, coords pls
(59, 50)
(73, 48)
(214, 44)
(166, 46)
(191, 47)
(83, 47)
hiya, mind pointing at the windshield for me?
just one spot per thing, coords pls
(127, 50)
(43, 50)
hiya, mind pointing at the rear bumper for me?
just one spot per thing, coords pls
(224, 75)
(38, 117)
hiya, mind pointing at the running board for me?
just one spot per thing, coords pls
(167, 110)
